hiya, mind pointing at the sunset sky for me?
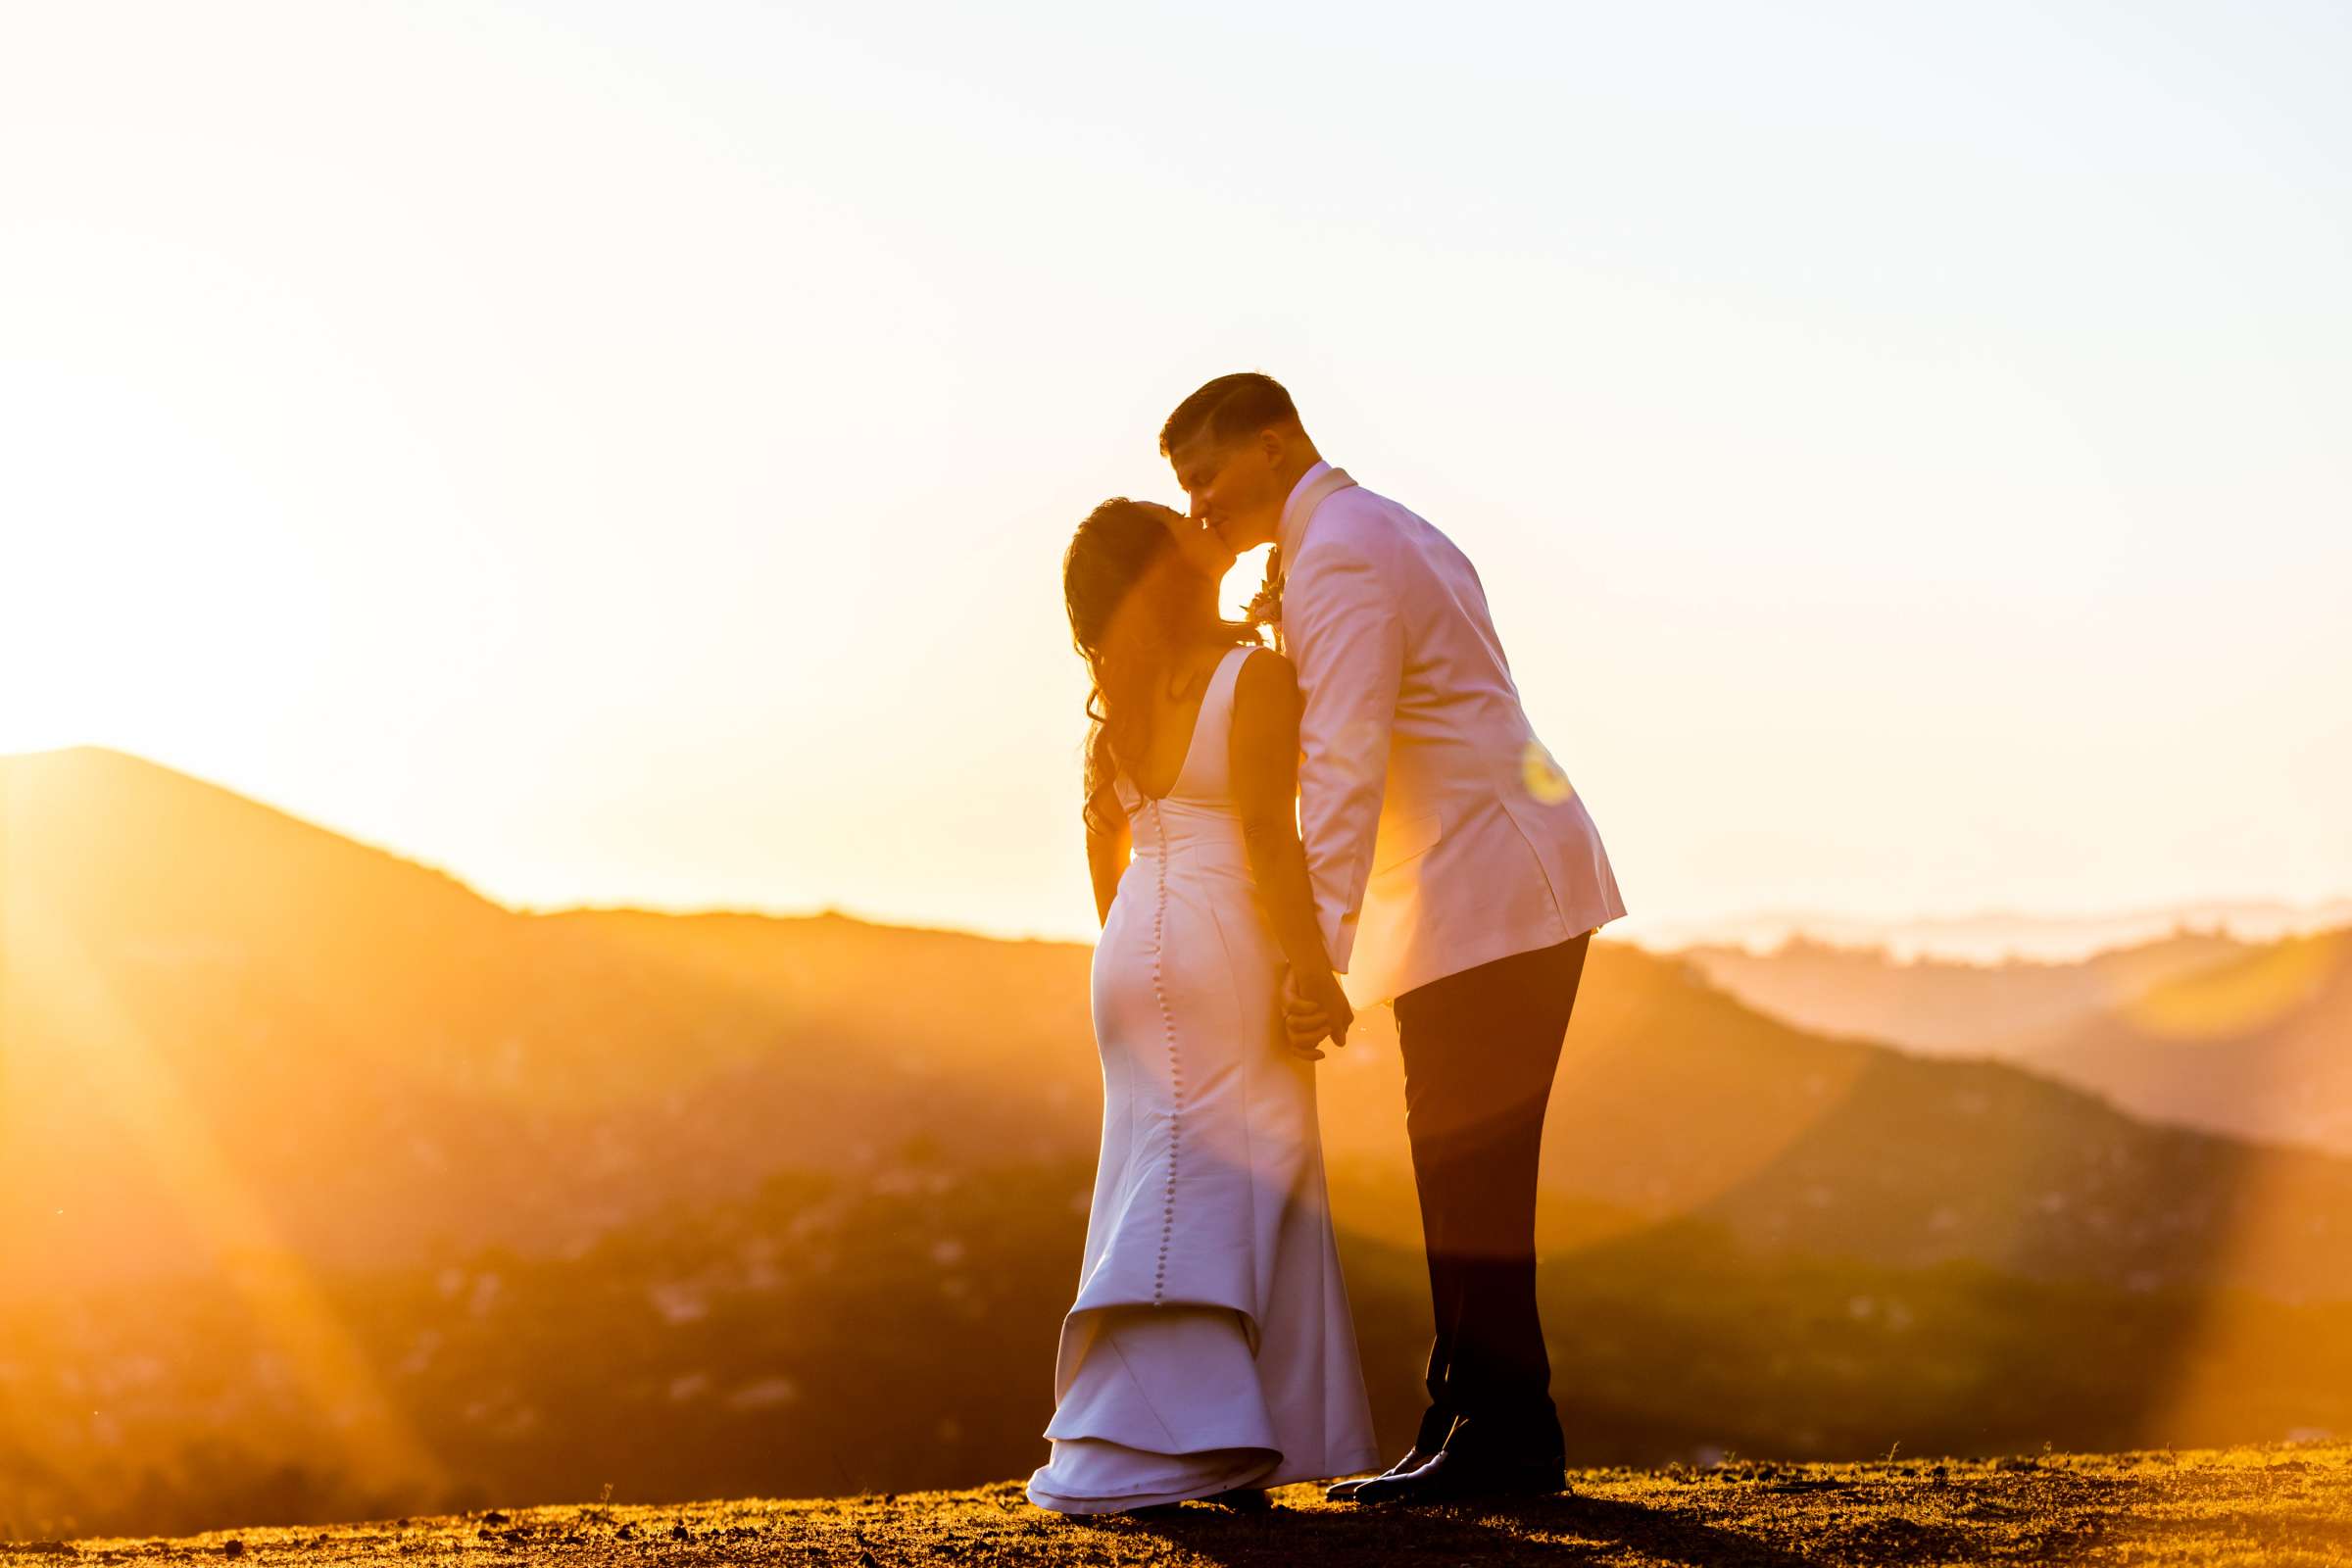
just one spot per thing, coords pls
(623, 454)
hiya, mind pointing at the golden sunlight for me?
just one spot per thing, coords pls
(2268, 984)
(1242, 582)
(52, 997)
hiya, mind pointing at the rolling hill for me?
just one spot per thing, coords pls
(326, 1183)
(2249, 1039)
(2259, 1045)
(1942, 1007)
(230, 1031)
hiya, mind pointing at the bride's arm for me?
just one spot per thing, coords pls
(1106, 851)
(1266, 789)
(1108, 840)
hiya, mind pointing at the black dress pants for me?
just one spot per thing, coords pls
(1480, 1051)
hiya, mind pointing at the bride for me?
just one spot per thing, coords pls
(1209, 1353)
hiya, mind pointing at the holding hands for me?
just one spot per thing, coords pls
(1313, 1009)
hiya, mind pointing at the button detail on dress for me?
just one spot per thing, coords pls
(1167, 1016)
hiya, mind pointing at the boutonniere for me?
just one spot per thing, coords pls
(1266, 608)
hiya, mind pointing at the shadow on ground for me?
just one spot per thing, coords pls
(1564, 1530)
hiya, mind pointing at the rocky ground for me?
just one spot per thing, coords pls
(2269, 1507)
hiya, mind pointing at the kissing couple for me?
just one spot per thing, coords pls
(1278, 838)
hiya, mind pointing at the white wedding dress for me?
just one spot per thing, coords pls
(1210, 1345)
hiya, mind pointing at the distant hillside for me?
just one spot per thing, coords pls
(2253, 1040)
(1672, 1100)
(2260, 1046)
(230, 1031)
(1943, 1007)
(453, 1198)
(2273, 1507)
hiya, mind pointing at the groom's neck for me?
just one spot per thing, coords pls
(1294, 466)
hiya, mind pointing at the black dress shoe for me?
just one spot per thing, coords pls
(1242, 1499)
(1454, 1475)
(1344, 1491)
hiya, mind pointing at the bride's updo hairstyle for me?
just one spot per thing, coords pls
(1135, 604)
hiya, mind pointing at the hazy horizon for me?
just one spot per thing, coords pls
(1978, 936)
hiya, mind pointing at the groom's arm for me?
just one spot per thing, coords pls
(1339, 622)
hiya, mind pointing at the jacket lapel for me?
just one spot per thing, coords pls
(1300, 513)
(1290, 536)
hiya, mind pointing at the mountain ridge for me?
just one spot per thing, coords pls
(2237, 1038)
(517, 1197)
(360, 1044)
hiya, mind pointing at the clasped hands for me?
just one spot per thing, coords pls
(1312, 1013)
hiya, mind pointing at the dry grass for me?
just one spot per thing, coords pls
(2270, 1507)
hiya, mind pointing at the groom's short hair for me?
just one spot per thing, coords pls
(1227, 409)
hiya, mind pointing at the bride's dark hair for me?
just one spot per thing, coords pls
(1113, 552)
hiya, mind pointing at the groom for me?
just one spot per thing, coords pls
(1455, 872)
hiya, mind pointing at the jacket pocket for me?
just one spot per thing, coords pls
(1410, 836)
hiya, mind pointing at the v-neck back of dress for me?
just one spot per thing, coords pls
(1203, 777)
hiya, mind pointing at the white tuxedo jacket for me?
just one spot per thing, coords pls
(1440, 833)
